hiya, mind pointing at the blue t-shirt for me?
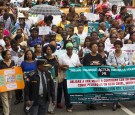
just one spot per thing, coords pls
(32, 42)
(28, 66)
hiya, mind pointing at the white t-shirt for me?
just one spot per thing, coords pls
(29, 22)
(2, 42)
(82, 37)
(66, 60)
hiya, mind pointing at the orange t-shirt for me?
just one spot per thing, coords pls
(41, 23)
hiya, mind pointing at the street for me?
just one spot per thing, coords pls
(128, 108)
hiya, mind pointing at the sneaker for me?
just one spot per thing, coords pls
(51, 112)
(69, 110)
(59, 106)
(114, 108)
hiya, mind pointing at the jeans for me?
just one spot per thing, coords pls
(39, 109)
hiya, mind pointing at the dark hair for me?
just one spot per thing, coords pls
(49, 45)
(13, 41)
(102, 13)
(93, 33)
(37, 3)
(35, 29)
(51, 2)
(64, 32)
(87, 38)
(118, 42)
(6, 16)
(92, 43)
(63, 14)
(113, 6)
(6, 37)
(131, 35)
(18, 36)
(80, 24)
(71, 9)
(112, 35)
(72, 28)
(122, 8)
(25, 55)
(3, 54)
(48, 18)
(101, 43)
(36, 45)
(130, 28)
(59, 27)
(41, 62)
(127, 16)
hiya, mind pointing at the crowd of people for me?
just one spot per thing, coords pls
(44, 70)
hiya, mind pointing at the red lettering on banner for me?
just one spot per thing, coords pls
(119, 83)
(81, 85)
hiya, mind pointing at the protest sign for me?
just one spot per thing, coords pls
(101, 84)
(44, 30)
(92, 26)
(11, 79)
(119, 3)
(91, 16)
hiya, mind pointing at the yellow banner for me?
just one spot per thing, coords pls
(11, 79)
(77, 9)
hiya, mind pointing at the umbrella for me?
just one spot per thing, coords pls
(44, 10)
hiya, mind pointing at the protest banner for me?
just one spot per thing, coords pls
(11, 79)
(101, 84)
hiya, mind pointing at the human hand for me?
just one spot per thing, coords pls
(28, 103)
(123, 65)
(115, 66)
(79, 65)
(54, 103)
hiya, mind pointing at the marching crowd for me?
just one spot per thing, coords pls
(44, 71)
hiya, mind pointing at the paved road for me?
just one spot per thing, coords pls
(128, 108)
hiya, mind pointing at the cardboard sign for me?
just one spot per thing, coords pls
(44, 30)
(11, 79)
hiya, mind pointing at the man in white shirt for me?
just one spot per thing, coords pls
(82, 35)
(28, 21)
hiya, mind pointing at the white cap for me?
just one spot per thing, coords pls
(20, 15)
(24, 43)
